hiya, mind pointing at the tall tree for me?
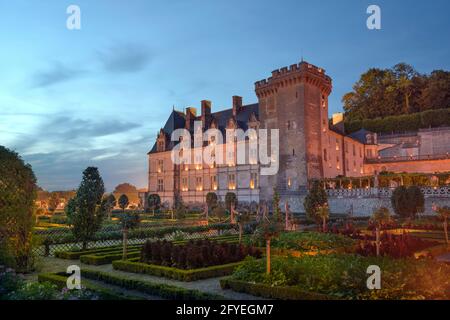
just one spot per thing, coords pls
(17, 197)
(85, 210)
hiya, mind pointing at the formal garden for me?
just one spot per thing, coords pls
(223, 250)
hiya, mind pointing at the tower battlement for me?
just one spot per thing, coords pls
(287, 76)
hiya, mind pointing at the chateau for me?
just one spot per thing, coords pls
(293, 100)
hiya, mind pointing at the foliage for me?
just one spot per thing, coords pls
(407, 202)
(401, 123)
(123, 202)
(219, 212)
(316, 198)
(85, 211)
(53, 202)
(400, 90)
(395, 246)
(310, 241)
(230, 199)
(109, 203)
(129, 220)
(17, 197)
(154, 201)
(211, 200)
(13, 287)
(194, 254)
(380, 216)
(344, 276)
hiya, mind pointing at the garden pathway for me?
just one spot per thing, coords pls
(212, 285)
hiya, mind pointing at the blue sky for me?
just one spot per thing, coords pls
(97, 96)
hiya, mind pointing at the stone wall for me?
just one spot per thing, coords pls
(363, 203)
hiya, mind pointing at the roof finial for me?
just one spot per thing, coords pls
(302, 54)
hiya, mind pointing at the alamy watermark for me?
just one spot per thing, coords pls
(211, 149)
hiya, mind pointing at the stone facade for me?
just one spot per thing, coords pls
(293, 100)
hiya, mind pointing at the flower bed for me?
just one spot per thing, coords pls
(195, 254)
(344, 277)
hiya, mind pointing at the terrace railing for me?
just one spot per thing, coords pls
(437, 192)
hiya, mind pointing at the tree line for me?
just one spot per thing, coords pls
(396, 91)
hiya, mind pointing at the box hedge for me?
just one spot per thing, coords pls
(267, 291)
(158, 289)
(133, 265)
(60, 280)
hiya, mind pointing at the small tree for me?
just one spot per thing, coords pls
(109, 204)
(86, 210)
(269, 228)
(129, 220)
(211, 200)
(444, 214)
(380, 217)
(123, 202)
(323, 213)
(416, 200)
(242, 219)
(315, 199)
(53, 202)
(230, 199)
(407, 202)
(154, 202)
(219, 212)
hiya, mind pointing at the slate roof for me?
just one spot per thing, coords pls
(360, 135)
(177, 120)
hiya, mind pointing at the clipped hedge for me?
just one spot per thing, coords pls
(158, 289)
(142, 233)
(267, 291)
(60, 280)
(133, 265)
(402, 123)
(97, 260)
(116, 249)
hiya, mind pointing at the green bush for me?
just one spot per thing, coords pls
(407, 202)
(134, 266)
(310, 241)
(271, 292)
(402, 123)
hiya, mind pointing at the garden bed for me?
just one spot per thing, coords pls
(271, 292)
(133, 265)
(342, 276)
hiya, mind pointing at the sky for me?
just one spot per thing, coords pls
(97, 96)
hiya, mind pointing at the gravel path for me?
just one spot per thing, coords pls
(50, 265)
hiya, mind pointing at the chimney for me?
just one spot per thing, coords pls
(338, 122)
(191, 113)
(237, 105)
(206, 108)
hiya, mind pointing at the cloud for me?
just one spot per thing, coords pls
(56, 73)
(125, 58)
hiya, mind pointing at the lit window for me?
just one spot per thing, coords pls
(199, 184)
(160, 185)
(253, 180)
(231, 182)
(160, 165)
(214, 183)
